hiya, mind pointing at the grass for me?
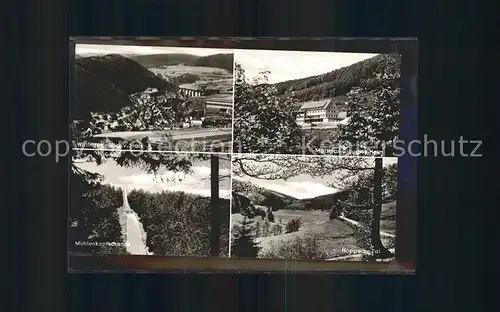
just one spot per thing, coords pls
(327, 239)
(206, 72)
(301, 248)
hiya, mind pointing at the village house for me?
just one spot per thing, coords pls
(327, 110)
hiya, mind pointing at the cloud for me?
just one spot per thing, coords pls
(288, 65)
(131, 178)
(188, 184)
(196, 183)
(101, 49)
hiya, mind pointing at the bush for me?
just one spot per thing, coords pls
(300, 248)
(277, 229)
(293, 225)
(363, 237)
(265, 229)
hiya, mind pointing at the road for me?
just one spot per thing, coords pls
(135, 239)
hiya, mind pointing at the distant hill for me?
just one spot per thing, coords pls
(223, 61)
(323, 202)
(335, 83)
(258, 196)
(104, 83)
(154, 60)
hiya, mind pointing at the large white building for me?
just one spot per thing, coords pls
(327, 110)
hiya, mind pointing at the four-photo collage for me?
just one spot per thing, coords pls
(211, 152)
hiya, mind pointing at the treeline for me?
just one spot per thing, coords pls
(93, 215)
(223, 61)
(178, 224)
(154, 60)
(337, 82)
(249, 190)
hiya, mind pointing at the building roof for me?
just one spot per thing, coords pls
(339, 100)
(314, 104)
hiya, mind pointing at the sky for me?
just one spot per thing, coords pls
(303, 186)
(134, 178)
(288, 65)
(101, 49)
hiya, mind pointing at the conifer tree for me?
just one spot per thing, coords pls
(244, 244)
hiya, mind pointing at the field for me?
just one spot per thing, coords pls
(334, 235)
(208, 73)
(193, 77)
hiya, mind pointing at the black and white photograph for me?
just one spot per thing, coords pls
(168, 98)
(327, 208)
(154, 203)
(310, 103)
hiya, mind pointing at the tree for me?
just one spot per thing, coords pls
(273, 202)
(373, 113)
(244, 244)
(390, 182)
(373, 109)
(263, 121)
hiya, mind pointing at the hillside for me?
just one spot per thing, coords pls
(260, 196)
(154, 60)
(257, 194)
(103, 83)
(323, 202)
(124, 73)
(335, 83)
(222, 61)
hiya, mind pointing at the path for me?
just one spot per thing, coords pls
(356, 223)
(135, 235)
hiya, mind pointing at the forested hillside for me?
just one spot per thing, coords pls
(337, 82)
(154, 60)
(223, 61)
(103, 84)
(177, 223)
